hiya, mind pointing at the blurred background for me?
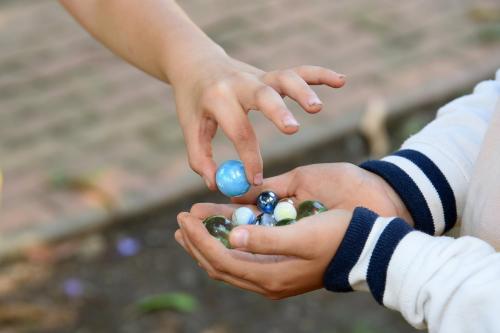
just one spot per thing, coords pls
(95, 168)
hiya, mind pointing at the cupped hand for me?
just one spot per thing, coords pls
(337, 185)
(220, 91)
(276, 262)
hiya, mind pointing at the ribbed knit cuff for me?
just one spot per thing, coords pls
(364, 254)
(422, 187)
(336, 277)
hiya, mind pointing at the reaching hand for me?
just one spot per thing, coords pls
(220, 91)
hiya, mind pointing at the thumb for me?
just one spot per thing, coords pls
(279, 184)
(283, 240)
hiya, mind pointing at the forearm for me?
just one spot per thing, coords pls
(445, 284)
(155, 36)
(431, 172)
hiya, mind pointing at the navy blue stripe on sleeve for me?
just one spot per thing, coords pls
(336, 277)
(407, 190)
(439, 182)
(376, 277)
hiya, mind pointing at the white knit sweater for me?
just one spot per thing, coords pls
(448, 172)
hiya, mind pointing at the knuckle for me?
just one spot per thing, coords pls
(274, 287)
(213, 274)
(300, 172)
(299, 69)
(245, 134)
(214, 92)
(302, 70)
(242, 134)
(262, 94)
(239, 76)
(218, 266)
(180, 215)
(246, 275)
(286, 75)
(197, 207)
(194, 164)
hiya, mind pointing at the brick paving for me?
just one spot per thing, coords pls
(85, 138)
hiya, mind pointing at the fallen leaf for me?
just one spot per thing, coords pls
(180, 302)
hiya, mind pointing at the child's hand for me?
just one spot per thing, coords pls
(288, 260)
(276, 262)
(337, 186)
(220, 91)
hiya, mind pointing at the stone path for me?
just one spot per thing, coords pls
(86, 139)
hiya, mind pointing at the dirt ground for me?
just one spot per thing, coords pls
(88, 285)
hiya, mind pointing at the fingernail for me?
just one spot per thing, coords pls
(258, 179)
(290, 121)
(239, 238)
(342, 76)
(314, 101)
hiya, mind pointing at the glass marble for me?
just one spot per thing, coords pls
(287, 200)
(219, 227)
(310, 207)
(284, 210)
(231, 179)
(285, 222)
(243, 215)
(266, 201)
(266, 220)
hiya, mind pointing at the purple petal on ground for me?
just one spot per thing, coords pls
(128, 246)
(73, 287)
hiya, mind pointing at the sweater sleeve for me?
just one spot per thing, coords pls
(444, 284)
(432, 170)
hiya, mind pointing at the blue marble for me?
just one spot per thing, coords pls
(242, 216)
(266, 201)
(266, 220)
(231, 179)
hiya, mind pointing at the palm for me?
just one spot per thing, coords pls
(337, 185)
(343, 186)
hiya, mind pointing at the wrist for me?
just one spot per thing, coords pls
(190, 61)
(395, 199)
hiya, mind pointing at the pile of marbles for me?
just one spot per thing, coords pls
(273, 212)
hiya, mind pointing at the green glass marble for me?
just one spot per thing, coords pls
(310, 207)
(219, 227)
(285, 222)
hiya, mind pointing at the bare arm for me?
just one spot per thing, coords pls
(211, 89)
(155, 36)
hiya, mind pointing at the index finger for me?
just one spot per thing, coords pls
(235, 124)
